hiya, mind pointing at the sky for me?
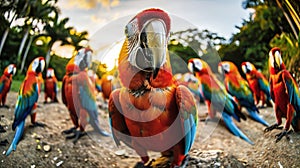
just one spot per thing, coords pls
(105, 19)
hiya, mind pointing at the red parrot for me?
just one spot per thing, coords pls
(216, 97)
(191, 82)
(258, 84)
(51, 87)
(5, 83)
(27, 101)
(78, 94)
(285, 93)
(151, 112)
(106, 86)
(238, 87)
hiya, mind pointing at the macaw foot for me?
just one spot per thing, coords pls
(69, 131)
(77, 135)
(282, 134)
(38, 124)
(4, 142)
(274, 126)
(5, 106)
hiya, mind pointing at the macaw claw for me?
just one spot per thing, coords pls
(69, 131)
(4, 142)
(77, 135)
(274, 126)
(5, 106)
(282, 134)
(38, 124)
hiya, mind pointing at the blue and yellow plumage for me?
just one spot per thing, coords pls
(216, 97)
(238, 87)
(27, 101)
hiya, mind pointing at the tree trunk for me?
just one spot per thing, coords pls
(48, 55)
(23, 44)
(26, 53)
(4, 39)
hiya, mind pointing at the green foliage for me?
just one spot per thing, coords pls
(59, 66)
(252, 43)
(290, 49)
(15, 85)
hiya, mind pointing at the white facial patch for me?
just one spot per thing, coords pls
(50, 73)
(12, 69)
(198, 65)
(226, 67)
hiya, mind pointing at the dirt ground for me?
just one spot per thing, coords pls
(215, 146)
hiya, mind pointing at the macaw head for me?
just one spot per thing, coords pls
(37, 65)
(247, 67)
(50, 73)
(227, 67)
(10, 70)
(147, 35)
(275, 60)
(83, 58)
(198, 66)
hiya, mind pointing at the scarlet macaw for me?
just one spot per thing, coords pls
(285, 93)
(258, 84)
(151, 112)
(27, 101)
(216, 97)
(191, 82)
(51, 87)
(238, 87)
(5, 83)
(78, 94)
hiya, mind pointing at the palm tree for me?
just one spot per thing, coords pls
(10, 11)
(77, 38)
(39, 13)
(57, 31)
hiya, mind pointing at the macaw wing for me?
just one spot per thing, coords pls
(55, 87)
(264, 86)
(2, 83)
(88, 101)
(118, 126)
(292, 89)
(243, 93)
(188, 115)
(25, 102)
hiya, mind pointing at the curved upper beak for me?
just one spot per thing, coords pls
(41, 65)
(277, 60)
(154, 41)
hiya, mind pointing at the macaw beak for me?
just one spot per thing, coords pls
(86, 60)
(14, 71)
(277, 60)
(191, 67)
(153, 43)
(41, 66)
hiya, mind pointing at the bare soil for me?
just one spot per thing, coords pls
(215, 146)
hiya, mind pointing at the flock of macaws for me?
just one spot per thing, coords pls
(154, 109)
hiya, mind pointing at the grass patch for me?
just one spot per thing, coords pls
(15, 86)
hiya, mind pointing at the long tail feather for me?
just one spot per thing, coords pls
(234, 129)
(96, 126)
(18, 135)
(255, 116)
